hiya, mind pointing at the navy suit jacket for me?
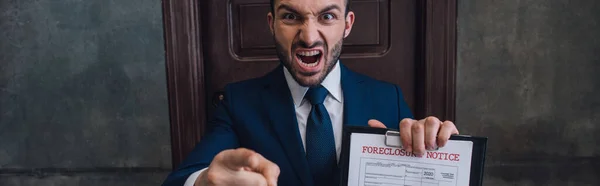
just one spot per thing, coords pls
(259, 114)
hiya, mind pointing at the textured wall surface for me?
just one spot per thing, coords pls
(528, 79)
(82, 93)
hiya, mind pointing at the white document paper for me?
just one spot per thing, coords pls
(374, 163)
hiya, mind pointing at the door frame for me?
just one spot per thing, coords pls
(436, 68)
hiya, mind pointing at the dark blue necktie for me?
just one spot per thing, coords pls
(320, 145)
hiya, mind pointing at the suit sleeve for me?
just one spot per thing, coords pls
(219, 136)
(404, 110)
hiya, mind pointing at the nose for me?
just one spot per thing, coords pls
(309, 34)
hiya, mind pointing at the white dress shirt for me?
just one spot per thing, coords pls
(334, 103)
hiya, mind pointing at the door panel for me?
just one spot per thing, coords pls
(238, 44)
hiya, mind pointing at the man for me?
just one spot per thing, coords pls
(285, 128)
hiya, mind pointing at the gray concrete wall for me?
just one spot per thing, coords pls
(82, 93)
(528, 78)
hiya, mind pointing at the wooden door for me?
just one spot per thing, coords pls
(210, 43)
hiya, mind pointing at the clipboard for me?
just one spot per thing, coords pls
(479, 147)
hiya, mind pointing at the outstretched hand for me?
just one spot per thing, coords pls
(239, 167)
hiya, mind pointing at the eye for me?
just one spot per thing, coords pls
(328, 16)
(289, 16)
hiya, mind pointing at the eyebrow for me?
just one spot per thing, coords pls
(328, 8)
(288, 8)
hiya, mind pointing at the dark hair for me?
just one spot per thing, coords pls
(347, 7)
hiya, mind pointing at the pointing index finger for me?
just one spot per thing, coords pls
(244, 159)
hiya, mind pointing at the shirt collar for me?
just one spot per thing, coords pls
(331, 83)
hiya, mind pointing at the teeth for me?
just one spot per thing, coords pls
(309, 53)
(309, 65)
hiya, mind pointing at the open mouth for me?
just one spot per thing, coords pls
(309, 58)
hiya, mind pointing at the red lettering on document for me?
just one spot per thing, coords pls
(386, 151)
(401, 152)
(443, 156)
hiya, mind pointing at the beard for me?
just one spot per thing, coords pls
(330, 59)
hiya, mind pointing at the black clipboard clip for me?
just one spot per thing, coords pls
(392, 139)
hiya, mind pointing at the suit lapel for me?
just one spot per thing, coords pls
(355, 98)
(281, 112)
